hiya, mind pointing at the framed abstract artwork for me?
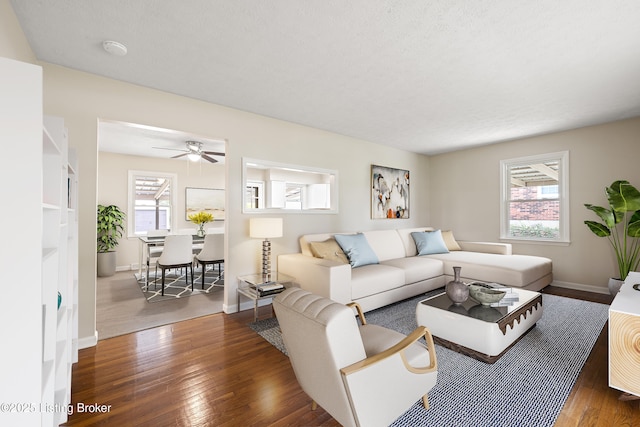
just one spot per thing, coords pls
(210, 200)
(389, 193)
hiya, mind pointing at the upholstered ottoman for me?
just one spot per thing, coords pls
(482, 332)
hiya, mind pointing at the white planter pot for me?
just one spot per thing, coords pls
(614, 285)
(106, 264)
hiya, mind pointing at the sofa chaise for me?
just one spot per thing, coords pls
(396, 266)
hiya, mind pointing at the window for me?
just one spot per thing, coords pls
(254, 197)
(293, 196)
(152, 198)
(272, 187)
(535, 198)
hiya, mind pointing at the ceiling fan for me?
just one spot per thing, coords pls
(194, 152)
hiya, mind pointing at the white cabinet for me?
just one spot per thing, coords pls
(39, 254)
(624, 337)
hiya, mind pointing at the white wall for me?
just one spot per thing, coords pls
(464, 193)
(113, 170)
(13, 43)
(83, 98)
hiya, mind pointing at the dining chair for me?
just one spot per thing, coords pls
(196, 247)
(212, 253)
(177, 253)
(154, 251)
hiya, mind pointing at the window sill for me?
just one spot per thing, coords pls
(535, 242)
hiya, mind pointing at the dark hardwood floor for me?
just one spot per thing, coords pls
(215, 371)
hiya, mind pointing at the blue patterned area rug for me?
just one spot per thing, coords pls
(526, 387)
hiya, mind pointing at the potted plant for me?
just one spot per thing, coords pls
(110, 228)
(621, 227)
(201, 218)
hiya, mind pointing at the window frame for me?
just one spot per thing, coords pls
(563, 196)
(131, 225)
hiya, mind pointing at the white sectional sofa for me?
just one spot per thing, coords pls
(400, 272)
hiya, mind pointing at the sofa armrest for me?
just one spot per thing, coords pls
(329, 279)
(487, 247)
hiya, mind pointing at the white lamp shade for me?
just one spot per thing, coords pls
(265, 228)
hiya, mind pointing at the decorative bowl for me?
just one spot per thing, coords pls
(485, 294)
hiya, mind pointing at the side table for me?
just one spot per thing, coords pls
(624, 339)
(249, 285)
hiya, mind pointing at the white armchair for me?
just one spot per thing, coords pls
(363, 375)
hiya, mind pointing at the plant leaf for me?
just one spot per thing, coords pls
(605, 214)
(623, 197)
(634, 225)
(598, 229)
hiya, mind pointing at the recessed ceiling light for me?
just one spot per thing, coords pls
(114, 48)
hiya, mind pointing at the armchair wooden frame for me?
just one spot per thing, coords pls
(399, 348)
(362, 374)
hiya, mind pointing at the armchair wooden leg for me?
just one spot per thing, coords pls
(425, 401)
(314, 405)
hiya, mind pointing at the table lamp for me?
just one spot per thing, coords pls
(265, 228)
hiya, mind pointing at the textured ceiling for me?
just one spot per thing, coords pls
(425, 76)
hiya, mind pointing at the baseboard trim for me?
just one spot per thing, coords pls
(86, 342)
(246, 305)
(581, 287)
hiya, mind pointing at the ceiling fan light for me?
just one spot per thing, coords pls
(194, 157)
(194, 145)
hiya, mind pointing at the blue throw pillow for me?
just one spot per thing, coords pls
(429, 242)
(357, 249)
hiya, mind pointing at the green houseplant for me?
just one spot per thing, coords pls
(621, 226)
(109, 231)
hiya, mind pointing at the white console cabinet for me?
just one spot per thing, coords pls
(624, 337)
(39, 256)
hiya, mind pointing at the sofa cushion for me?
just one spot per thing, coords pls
(328, 249)
(357, 249)
(429, 242)
(374, 279)
(386, 244)
(512, 270)
(408, 242)
(450, 241)
(306, 239)
(416, 268)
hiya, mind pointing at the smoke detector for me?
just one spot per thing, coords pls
(114, 48)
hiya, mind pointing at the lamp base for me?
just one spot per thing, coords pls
(266, 257)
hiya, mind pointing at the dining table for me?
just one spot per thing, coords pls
(145, 243)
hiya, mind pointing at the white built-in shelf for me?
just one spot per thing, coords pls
(59, 269)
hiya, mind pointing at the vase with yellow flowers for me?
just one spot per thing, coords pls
(200, 218)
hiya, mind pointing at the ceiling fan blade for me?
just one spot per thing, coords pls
(211, 159)
(213, 153)
(172, 149)
(179, 155)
